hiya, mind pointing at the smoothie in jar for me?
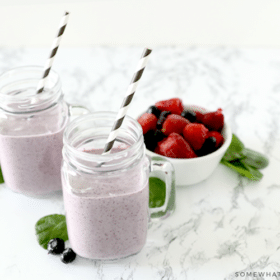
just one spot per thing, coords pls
(110, 221)
(31, 153)
(31, 131)
(106, 197)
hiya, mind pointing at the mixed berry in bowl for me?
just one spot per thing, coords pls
(171, 130)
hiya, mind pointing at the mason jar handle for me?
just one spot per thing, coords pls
(77, 110)
(164, 170)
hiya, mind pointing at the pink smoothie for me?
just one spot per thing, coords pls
(31, 151)
(31, 164)
(109, 221)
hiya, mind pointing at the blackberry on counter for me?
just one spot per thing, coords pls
(56, 246)
(68, 255)
(154, 110)
(162, 117)
(189, 115)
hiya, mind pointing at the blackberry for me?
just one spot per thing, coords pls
(162, 118)
(189, 115)
(56, 246)
(208, 147)
(68, 255)
(150, 140)
(154, 110)
(159, 135)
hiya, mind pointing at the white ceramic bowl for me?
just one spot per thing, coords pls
(194, 170)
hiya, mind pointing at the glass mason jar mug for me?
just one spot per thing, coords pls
(106, 197)
(31, 130)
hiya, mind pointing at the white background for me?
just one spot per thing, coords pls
(253, 23)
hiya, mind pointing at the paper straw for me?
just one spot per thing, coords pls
(127, 100)
(54, 49)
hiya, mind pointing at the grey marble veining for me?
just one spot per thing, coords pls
(222, 227)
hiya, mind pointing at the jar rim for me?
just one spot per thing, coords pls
(17, 77)
(98, 158)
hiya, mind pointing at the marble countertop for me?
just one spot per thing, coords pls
(222, 228)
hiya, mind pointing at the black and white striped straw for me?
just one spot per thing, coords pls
(54, 49)
(127, 100)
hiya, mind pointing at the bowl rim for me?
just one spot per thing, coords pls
(226, 131)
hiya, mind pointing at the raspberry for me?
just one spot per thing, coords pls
(174, 123)
(214, 120)
(148, 122)
(218, 136)
(195, 134)
(174, 105)
(175, 146)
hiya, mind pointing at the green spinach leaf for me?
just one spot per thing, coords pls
(49, 227)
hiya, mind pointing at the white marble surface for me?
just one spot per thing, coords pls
(224, 225)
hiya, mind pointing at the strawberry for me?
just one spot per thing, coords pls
(174, 123)
(195, 134)
(175, 146)
(148, 122)
(214, 120)
(174, 105)
(199, 116)
(218, 136)
(157, 150)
